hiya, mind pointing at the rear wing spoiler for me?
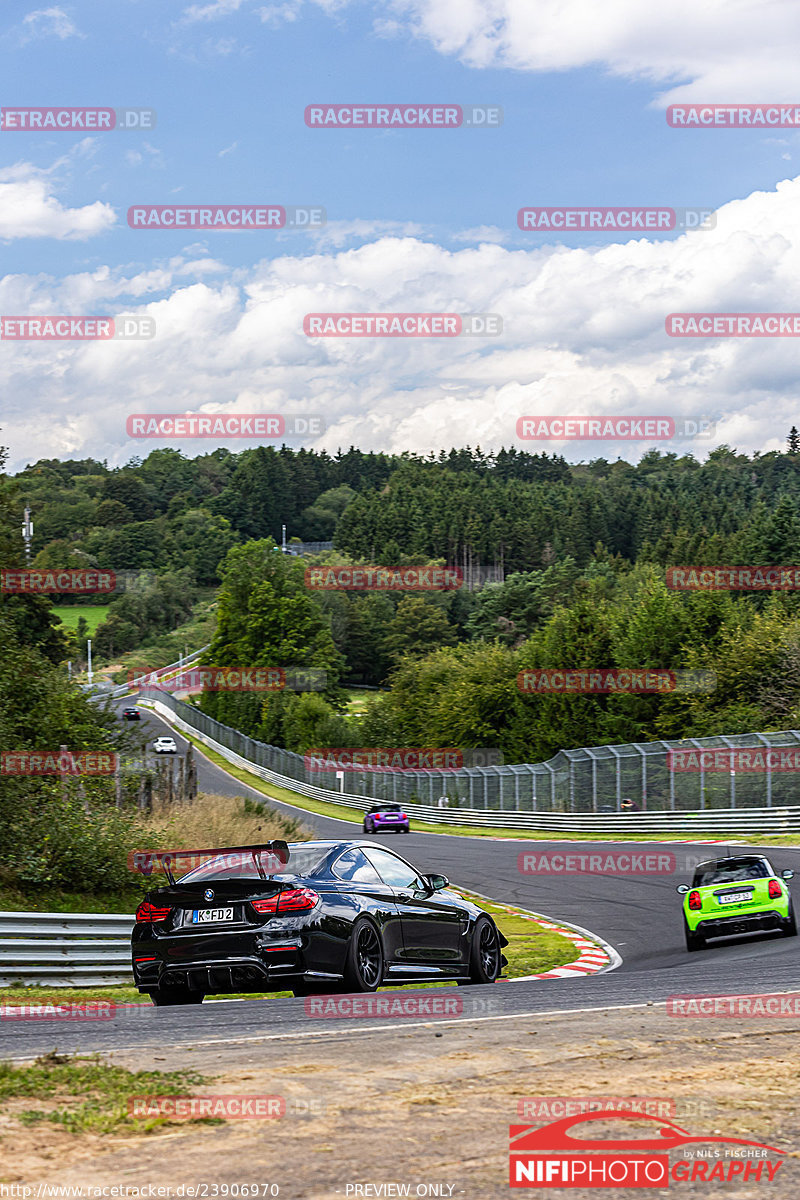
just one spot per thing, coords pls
(144, 861)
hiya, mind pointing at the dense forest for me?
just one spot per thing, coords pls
(582, 550)
(512, 508)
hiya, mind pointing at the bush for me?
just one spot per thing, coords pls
(61, 846)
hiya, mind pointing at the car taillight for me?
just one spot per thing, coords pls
(403, 817)
(695, 900)
(148, 912)
(775, 890)
(294, 900)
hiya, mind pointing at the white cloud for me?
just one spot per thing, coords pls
(719, 50)
(482, 233)
(48, 22)
(29, 207)
(583, 335)
(279, 14)
(213, 11)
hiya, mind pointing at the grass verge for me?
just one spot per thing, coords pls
(86, 1095)
(531, 949)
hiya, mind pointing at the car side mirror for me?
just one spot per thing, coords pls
(683, 888)
(435, 883)
(787, 874)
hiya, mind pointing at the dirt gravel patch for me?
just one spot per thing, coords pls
(430, 1107)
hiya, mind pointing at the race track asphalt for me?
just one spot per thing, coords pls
(639, 915)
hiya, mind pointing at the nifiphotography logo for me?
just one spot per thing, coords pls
(553, 1157)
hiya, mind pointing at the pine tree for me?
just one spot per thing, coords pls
(794, 440)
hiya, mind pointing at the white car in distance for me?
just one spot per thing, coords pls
(165, 745)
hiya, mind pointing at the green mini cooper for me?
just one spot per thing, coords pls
(736, 895)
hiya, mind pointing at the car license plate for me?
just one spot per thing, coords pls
(204, 916)
(735, 897)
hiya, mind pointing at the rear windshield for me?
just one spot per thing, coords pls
(378, 808)
(738, 872)
(302, 861)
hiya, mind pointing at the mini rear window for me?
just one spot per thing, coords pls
(734, 872)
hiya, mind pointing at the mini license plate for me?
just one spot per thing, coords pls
(205, 916)
(735, 897)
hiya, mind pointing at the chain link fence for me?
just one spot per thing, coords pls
(594, 780)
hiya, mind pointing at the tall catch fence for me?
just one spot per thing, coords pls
(590, 780)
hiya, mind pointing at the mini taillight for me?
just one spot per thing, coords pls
(695, 900)
(148, 912)
(403, 817)
(775, 890)
(294, 900)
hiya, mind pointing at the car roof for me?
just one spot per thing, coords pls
(734, 858)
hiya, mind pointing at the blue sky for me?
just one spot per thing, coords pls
(583, 95)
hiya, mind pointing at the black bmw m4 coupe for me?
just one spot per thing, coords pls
(324, 917)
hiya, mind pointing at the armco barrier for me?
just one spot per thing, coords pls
(122, 689)
(65, 949)
(620, 824)
(587, 781)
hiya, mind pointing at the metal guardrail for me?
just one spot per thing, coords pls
(122, 689)
(584, 781)
(719, 821)
(65, 949)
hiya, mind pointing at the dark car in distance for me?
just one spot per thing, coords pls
(333, 917)
(131, 714)
(386, 816)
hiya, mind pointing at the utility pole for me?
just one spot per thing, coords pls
(89, 652)
(283, 538)
(27, 534)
